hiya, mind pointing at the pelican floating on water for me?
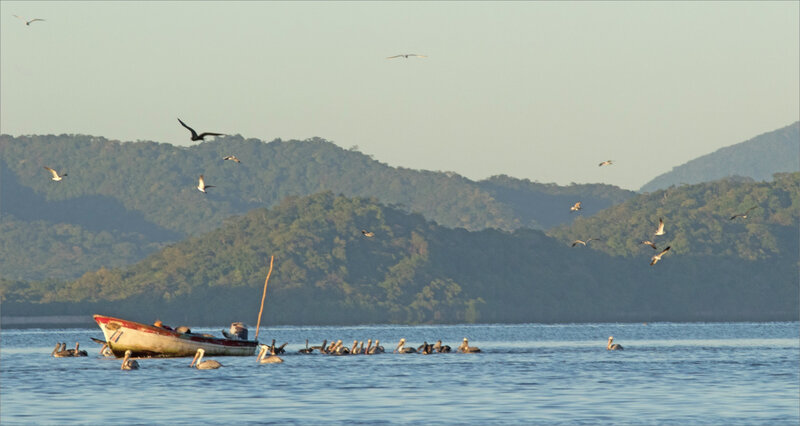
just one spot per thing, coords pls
(367, 234)
(306, 350)
(402, 349)
(466, 348)
(77, 351)
(61, 351)
(613, 346)
(264, 359)
(377, 349)
(208, 364)
(105, 350)
(129, 364)
(439, 347)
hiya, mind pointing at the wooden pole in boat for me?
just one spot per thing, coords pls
(264, 296)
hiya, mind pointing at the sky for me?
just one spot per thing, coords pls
(535, 90)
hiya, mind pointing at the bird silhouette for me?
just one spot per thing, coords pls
(367, 234)
(407, 55)
(232, 158)
(657, 257)
(29, 22)
(201, 136)
(201, 185)
(575, 207)
(56, 177)
(606, 163)
(743, 215)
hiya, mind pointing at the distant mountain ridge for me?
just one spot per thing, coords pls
(117, 193)
(759, 158)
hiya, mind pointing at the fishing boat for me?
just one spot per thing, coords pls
(151, 341)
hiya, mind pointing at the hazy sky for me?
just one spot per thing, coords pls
(537, 90)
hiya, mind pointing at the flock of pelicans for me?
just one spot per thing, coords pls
(268, 354)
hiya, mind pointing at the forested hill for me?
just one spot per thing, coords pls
(123, 200)
(410, 271)
(698, 221)
(156, 182)
(759, 158)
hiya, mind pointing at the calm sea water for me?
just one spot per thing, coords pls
(669, 373)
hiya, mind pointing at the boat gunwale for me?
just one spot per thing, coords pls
(188, 338)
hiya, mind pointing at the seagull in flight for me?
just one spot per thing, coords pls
(576, 242)
(56, 177)
(201, 136)
(575, 207)
(743, 215)
(657, 257)
(407, 55)
(367, 234)
(232, 158)
(650, 243)
(29, 22)
(660, 230)
(201, 185)
(606, 163)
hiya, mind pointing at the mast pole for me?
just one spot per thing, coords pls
(264, 296)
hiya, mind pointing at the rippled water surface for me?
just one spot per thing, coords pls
(702, 374)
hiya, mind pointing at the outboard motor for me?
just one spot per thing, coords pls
(238, 331)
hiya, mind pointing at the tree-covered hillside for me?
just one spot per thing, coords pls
(145, 192)
(698, 220)
(411, 271)
(758, 158)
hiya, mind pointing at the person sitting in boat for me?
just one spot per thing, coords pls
(158, 323)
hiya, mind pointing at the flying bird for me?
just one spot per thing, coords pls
(606, 163)
(576, 242)
(201, 185)
(29, 22)
(232, 158)
(650, 243)
(407, 55)
(201, 136)
(56, 177)
(575, 207)
(657, 257)
(660, 230)
(367, 233)
(743, 215)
